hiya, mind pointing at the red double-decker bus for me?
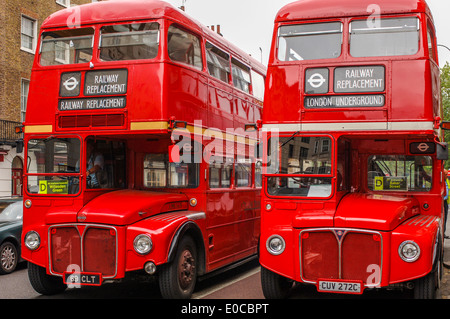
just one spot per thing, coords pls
(137, 159)
(353, 180)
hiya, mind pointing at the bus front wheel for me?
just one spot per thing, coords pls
(177, 279)
(274, 286)
(43, 283)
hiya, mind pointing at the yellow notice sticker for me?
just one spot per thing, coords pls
(53, 187)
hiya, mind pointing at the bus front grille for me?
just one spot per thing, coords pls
(85, 248)
(345, 254)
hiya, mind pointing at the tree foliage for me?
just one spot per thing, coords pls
(445, 93)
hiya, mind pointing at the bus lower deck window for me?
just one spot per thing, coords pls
(159, 173)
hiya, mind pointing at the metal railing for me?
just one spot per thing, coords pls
(8, 133)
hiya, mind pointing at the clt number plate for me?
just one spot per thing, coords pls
(89, 279)
(347, 287)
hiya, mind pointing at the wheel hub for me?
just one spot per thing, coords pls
(186, 269)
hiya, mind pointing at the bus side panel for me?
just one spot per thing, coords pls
(221, 228)
(411, 96)
(186, 94)
(220, 105)
(145, 97)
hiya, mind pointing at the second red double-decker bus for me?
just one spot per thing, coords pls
(136, 152)
(353, 175)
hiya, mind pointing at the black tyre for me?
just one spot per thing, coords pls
(43, 283)
(425, 287)
(8, 258)
(177, 279)
(275, 286)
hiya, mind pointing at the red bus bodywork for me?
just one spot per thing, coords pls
(358, 144)
(135, 101)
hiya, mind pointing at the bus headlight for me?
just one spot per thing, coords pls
(275, 245)
(409, 251)
(32, 240)
(143, 244)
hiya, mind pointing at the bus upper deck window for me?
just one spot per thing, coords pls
(129, 41)
(66, 46)
(241, 75)
(384, 37)
(310, 41)
(184, 47)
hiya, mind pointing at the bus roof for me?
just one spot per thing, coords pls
(113, 11)
(314, 9)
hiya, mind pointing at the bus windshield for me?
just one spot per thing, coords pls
(310, 41)
(306, 157)
(384, 37)
(67, 46)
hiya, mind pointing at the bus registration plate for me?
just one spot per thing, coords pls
(76, 278)
(338, 286)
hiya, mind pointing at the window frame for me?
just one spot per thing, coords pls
(409, 179)
(322, 172)
(103, 35)
(387, 17)
(33, 36)
(67, 50)
(24, 85)
(64, 3)
(222, 55)
(36, 175)
(200, 43)
(168, 173)
(315, 22)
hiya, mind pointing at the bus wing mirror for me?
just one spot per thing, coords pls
(174, 154)
(442, 151)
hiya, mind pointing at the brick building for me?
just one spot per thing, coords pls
(20, 21)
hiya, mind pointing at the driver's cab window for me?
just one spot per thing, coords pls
(105, 164)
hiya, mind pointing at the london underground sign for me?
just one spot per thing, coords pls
(346, 80)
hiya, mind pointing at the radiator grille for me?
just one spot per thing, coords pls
(91, 248)
(339, 254)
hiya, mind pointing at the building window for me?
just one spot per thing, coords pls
(24, 98)
(64, 3)
(28, 36)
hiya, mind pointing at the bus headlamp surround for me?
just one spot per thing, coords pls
(32, 240)
(142, 244)
(275, 245)
(409, 251)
